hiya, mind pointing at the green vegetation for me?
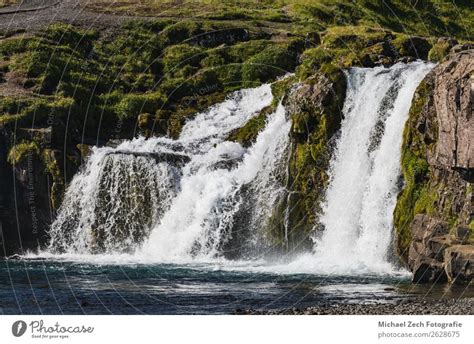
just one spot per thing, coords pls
(424, 18)
(19, 151)
(247, 134)
(415, 168)
(314, 123)
(145, 67)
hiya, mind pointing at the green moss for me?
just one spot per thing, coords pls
(313, 125)
(247, 134)
(178, 32)
(280, 89)
(439, 51)
(312, 59)
(17, 45)
(67, 35)
(244, 50)
(131, 105)
(417, 196)
(177, 57)
(412, 46)
(351, 36)
(19, 151)
(273, 61)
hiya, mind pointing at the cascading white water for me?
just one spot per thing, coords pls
(201, 216)
(183, 211)
(193, 208)
(112, 201)
(361, 197)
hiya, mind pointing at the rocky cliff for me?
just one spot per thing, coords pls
(434, 216)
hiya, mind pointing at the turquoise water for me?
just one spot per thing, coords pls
(46, 286)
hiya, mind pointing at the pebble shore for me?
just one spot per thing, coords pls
(464, 306)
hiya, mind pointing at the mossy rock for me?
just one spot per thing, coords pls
(273, 61)
(177, 57)
(247, 134)
(416, 171)
(441, 49)
(132, 105)
(414, 46)
(21, 150)
(67, 35)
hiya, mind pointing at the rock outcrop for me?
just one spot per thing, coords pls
(434, 216)
(315, 107)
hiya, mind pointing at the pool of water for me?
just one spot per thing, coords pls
(48, 286)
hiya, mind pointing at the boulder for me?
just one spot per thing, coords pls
(428, 270)
(459, 263)
(436, 246)
(438, 160)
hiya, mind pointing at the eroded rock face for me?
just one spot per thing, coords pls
(454, 104)
(459, 263)
(435, 255)
(436, 208)
(315, 107)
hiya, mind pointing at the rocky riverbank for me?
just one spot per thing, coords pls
(464, 306)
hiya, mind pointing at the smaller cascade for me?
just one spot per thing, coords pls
(177, 198)
(111, 204)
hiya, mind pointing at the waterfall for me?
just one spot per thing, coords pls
(364, 171)
(201, 217)
(202, 198)
(175, 200)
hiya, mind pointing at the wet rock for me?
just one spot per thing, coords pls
(173, 158)
(428, 270)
